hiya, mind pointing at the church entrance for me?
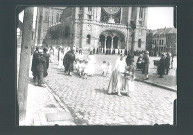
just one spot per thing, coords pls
(111, 41)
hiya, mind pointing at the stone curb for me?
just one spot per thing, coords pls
(157, 85)
(58, 100)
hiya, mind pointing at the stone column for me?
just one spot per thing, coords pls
(105, 43)
(118, 43)
(112, 45)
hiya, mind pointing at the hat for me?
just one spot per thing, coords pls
(37, 48)
(40, 51)
(45, 49)
(147, 52)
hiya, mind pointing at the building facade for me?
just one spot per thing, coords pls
(103, 28)
(162, 40)
(46, 16)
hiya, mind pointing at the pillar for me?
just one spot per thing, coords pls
(112, 45)
(105, 44)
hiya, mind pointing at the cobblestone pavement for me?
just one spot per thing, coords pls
(89, 103)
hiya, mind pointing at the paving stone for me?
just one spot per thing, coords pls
(88, 96)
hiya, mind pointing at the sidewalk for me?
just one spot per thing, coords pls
(167, 82)
(43, 107)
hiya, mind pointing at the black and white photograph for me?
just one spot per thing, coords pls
(91, 65)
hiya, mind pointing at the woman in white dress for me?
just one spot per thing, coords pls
(51, 52)
(90, 68)
(60, 58)
(116, 83)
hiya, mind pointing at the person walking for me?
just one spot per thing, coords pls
(161, 66)
(129, 76)
(117, 81)
(129, 57)
(68, 61)
(40, 60)
(46, 64)
(140, 62)
(146, 65)
(61, 56)
(51, 53)
(90, 69)
(33, 67)
(167, 63)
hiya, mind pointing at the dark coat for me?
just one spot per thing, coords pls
(33, 67)
(46, 64)
(167, 61)
(129, 57)
(68, 61)
(146, 64)
(39, 63)
(161, 67)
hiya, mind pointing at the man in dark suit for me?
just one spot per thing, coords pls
(39, 66)
(33, 68)
(46, 64)
(161, 67)
(68, 61)
(167, 63)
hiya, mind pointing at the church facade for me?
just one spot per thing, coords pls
(103, 28)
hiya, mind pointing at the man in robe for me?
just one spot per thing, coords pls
(68, 61)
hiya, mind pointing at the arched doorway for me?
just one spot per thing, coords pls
(115, 42)
(109, 39)
(112, 40)
(102, 41)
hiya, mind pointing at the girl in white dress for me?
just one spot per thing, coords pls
(90, 68)
(61, 56)
(51, 52)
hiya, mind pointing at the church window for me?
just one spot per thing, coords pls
(89, 17)
(80, 16)
(89, 9)
(81, 8)
(88, 39)
(57, 17)
(133, 12)
(139, 43)
(46, 17)
(140, 32)
(141, 12)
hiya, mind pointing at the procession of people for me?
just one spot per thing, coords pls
(72, 60)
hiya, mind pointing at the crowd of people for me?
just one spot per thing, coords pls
(122, 75)
(163, 65)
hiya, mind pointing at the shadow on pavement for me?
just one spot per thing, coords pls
(101, 91)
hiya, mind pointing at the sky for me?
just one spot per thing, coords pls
(158, 17)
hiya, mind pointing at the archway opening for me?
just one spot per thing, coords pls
(115, 42)
(109, 40)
